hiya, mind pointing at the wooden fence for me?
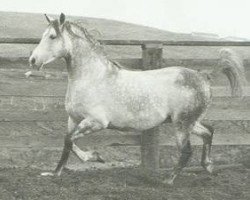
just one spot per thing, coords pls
(32, 109)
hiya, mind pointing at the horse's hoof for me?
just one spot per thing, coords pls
(168, 182)
(210, 168)
(98, 158)
(47, 174)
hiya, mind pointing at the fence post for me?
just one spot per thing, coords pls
(151, 59)
(151, 56)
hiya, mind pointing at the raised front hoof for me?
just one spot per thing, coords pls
(100, 160)
(97, 158)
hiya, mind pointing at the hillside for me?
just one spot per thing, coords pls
(32, 25)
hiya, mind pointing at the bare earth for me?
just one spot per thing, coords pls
(123, 183)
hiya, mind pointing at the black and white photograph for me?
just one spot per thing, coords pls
(124, 100)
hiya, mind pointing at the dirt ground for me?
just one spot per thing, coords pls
(123, 184)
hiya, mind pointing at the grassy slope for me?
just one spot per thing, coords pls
(33, 25)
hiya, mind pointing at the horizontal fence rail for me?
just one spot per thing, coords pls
(137, 42)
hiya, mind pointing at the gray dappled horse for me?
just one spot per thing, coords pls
(102, 94)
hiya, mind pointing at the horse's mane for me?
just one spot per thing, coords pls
(95, 45)
(84, 34)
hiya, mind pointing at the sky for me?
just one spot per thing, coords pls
(223, 17)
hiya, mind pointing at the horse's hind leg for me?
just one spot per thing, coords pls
(206, 133)
(185, 152)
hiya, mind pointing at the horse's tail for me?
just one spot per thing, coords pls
(231, 64)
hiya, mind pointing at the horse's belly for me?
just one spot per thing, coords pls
(142, 120)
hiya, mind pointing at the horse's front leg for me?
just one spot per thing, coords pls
(68, 144)
(86, 127)
(76, 131)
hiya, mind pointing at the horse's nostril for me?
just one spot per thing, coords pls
(33, 60)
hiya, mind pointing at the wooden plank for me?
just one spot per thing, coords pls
(227, 114)
(29, 87)
(35, 115)
(197, 64)
(15, 108)
(219, 139)
(31, 128)
(221, 91)
(47, 158)
(57, 142)
(175, 43)
(17, 63)
(58, 128)
(40, 144)
(221, 154)
(115, 139)
(134, 63)
(19, 40)
(23, 103)
(22, 74)
(137, 42)
(19, 108)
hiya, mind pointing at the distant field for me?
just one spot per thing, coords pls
(32, 25)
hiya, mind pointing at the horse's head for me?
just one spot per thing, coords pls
(52, 45)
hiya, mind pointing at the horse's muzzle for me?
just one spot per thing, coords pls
(33, 63)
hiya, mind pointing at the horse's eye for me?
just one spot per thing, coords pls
(52, 37)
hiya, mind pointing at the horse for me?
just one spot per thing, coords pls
(102, 94)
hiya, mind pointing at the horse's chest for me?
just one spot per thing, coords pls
(83, 102)
(75, 110)
(74, 105)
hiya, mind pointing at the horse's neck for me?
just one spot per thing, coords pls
(83, 63)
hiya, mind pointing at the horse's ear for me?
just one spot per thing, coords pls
(49, 19)
(62, 18)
